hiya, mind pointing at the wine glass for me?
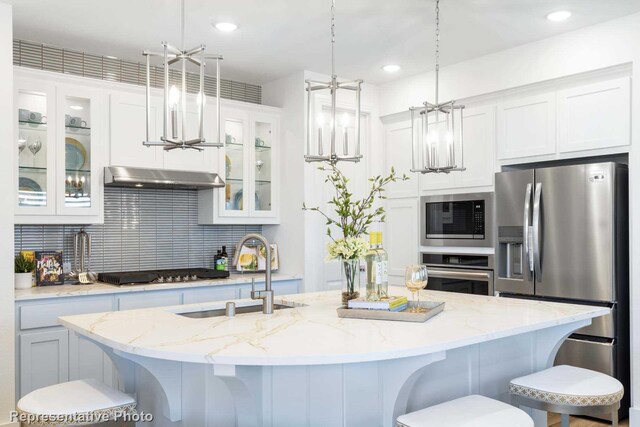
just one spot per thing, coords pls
(415, 279)
(22, 143)
(35, 145)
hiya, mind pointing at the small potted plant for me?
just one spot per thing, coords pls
(24, 271)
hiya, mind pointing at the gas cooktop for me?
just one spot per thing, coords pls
(161, 276)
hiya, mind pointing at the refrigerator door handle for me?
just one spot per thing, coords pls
(536, 231)
(526, 233)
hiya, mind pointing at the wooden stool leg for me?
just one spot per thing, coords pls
(565, 420)
(614, 418)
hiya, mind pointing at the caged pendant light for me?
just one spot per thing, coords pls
(174, 130)
(333, 86)
(436, 127)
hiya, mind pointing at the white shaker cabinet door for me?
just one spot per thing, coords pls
(595, 116)
(128, 131)
(527, 126)
(401, 237)
(44, 359)
(397, 143)
(479, 148)
(87, 360)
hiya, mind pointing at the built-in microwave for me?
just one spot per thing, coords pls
(457, 220)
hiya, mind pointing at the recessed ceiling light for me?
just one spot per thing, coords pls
(111, 57)
(75, 107)
(391, 68)
(559, 15)
(226, 27)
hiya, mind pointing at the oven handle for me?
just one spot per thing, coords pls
(461, 275)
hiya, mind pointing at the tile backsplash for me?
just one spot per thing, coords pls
(142, 230)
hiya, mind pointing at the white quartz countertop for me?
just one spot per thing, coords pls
(43, 292)
(313, 334)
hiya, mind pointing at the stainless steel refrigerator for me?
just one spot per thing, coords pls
(562, 235)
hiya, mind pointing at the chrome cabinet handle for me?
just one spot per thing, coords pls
(536, 231)
(526, 232)
(460, 275)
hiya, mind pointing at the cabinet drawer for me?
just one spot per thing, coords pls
(46, 315)
(148, 300)
(218, 293)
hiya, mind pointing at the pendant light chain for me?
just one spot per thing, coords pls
(333, 36)
(437, 47)
(435, 141)
(316, 128)
(184, 24)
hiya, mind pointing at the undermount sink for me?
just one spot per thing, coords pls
(255, 308)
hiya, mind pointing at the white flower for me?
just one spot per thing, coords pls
(349, 248)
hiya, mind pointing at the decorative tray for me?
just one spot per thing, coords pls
(432, 308)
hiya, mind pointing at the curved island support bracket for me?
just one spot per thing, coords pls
(168, 373)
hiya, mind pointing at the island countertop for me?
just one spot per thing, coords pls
(313, 334)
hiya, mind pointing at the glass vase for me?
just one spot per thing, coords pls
(350, 276)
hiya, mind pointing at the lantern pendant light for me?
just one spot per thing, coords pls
(332, 86)
(436, 127)
(174, 130)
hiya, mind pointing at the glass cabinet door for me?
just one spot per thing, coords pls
(235, 198)
(35, 152)
(77, 152)
(263, 164)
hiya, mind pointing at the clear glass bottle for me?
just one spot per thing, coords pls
(383, 259)
(373, 269)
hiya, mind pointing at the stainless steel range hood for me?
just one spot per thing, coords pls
(124, 176)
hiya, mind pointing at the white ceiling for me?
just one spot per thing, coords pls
(279, 37)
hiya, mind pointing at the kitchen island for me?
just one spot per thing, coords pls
(304, 366)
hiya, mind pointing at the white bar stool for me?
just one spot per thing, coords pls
(469, 411)
(569, 390)
(74, 401)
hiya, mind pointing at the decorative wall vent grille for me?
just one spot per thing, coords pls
(49, 58)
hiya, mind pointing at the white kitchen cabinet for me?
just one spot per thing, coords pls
(595, 116)
(479, 148)
(43, 358)
(87, 360)
(397, 144)
(401, 238)
(250, 164)
(128, 130)
(527, 126)
(61, 138)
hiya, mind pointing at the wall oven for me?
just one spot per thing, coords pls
(457, 220)
(463, 273)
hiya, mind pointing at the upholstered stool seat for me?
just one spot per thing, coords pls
(75, 403)
(469, 411)
(569, 390)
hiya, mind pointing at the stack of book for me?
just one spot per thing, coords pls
(390, 304)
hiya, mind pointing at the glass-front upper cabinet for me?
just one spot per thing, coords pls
(58, 145)
(262, 162)
(250, 171)
(78, 136)
(35, 149)
(234, 202)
